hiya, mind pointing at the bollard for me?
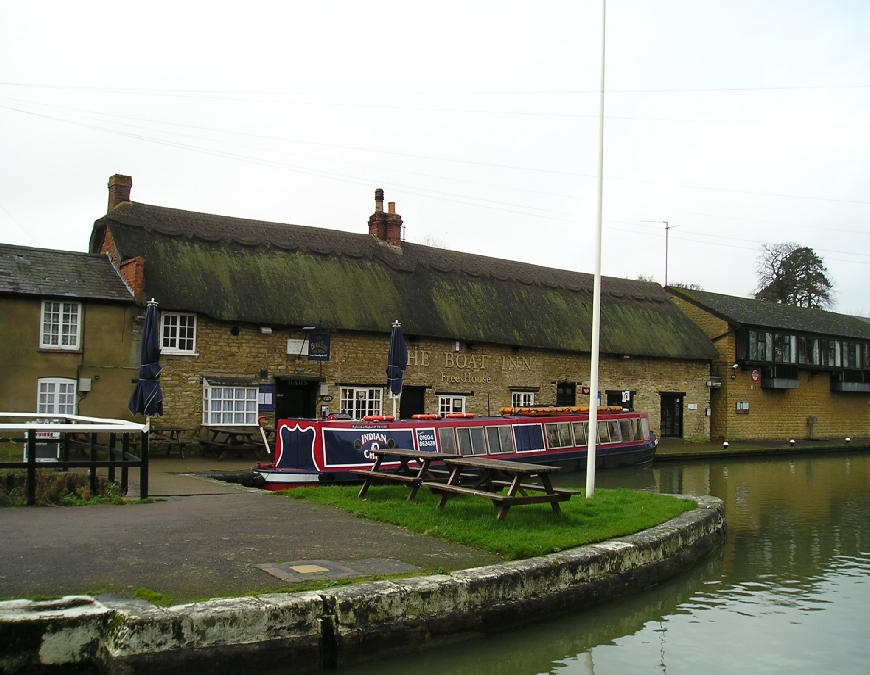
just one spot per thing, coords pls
(725, 445)
(791, 442)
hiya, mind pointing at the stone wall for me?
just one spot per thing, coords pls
(774, 414)
(485, 374)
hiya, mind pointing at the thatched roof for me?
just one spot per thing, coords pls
(241, 270)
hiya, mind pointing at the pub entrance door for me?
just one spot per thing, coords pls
(672, 415)
(566, 393)
(295, 397)
(412, 402)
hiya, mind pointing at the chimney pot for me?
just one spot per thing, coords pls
(119, 190)
(379, 200)
(392, 207)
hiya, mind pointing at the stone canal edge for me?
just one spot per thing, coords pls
(301, 632)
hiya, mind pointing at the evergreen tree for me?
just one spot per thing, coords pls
(793, 275)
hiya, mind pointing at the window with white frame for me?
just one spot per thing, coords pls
(451, 404)
(56, 396)
(178, 333)
(61, 325)
(361, 401)
(236, 406)
(522, 399)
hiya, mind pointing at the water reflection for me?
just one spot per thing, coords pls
(787, 592)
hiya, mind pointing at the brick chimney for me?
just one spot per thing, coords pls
(386, 227)
(119, 190)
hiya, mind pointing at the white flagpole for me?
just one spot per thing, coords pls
(596, 293)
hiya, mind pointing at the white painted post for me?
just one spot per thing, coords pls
(596, 294)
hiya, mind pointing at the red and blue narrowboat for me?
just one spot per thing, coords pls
(316, 452)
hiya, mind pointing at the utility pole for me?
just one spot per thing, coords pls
(667, 228)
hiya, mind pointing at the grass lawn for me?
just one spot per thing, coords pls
(528, 530)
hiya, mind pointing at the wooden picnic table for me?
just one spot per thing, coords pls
(405, 474)
(483, 478)
(229, 439)
(168, 437)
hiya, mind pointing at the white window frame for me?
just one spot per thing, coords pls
(228, 405)
(170, 321)
(56, 396)
(358, 402)
(451, 403)
(60, 325)
(522, 399)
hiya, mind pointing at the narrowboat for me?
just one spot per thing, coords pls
(315, 452)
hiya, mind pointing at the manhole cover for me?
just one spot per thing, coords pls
(327, 570)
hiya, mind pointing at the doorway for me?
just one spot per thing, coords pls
(412, 402)
(672, 415)
(295, 398)
(566, 393)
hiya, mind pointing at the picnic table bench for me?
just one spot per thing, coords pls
(404, 474)
(167, 437)
(227, 439)
(483, 478)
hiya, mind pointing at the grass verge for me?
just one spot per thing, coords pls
(529, 530)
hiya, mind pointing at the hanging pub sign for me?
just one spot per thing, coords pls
(318, 346)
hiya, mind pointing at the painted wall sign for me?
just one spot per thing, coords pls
(297, 347)
(756, 374)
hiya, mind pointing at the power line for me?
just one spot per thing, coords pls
(539, 170)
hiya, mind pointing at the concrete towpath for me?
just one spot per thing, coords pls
(207, 538)
(204, 540)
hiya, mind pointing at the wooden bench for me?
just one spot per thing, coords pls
(483, 473)
(404, 473)
(167, 437)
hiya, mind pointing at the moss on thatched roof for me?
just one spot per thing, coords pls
(241, 270)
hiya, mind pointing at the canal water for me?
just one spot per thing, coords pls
(789, 592)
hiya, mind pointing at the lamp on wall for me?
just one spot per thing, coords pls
(265, 330)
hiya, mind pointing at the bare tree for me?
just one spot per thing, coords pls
(688, 287)
(793, 275)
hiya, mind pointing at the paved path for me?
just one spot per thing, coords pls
(205, 544)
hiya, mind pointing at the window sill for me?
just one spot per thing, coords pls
(59, 350)
(168, 352)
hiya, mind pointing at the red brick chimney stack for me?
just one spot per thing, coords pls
(119, 190)
(386, 227)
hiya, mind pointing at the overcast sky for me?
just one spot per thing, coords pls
(738, 123)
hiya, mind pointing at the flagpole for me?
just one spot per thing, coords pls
(592, 437)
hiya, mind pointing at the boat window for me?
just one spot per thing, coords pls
(644, 426)
(500, 439)
(445, 437)
(625, 428)
(603, 433)
(558, 435)
(471, 441)
(634, 425)
(580, 433)
(615, 435)
(528, 437)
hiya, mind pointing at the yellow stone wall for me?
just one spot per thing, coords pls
(774, 414)
(489, 372)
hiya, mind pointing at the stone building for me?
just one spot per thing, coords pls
(67, 323)
(285, 320)
(783, 372)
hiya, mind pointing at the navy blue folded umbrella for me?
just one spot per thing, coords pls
(147, 399)
(397, 360)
